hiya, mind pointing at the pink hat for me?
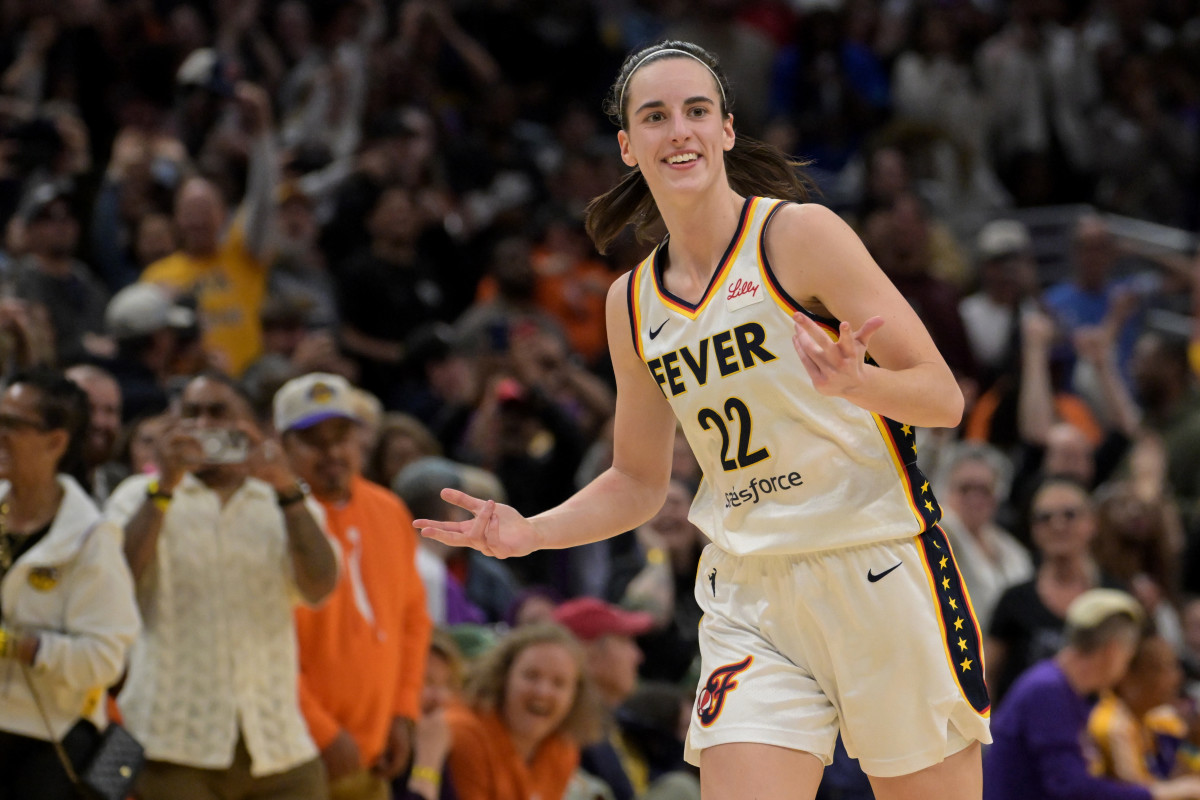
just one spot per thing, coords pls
(590, 618)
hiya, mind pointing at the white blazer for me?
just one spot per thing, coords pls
(75, 590)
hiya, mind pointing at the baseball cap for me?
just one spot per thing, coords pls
(204, 69)
(143, 308)
(590, 618)
(303, 402)
(41, 199)
(1002, 237)
(1096, 605)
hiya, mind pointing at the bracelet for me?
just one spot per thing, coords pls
(656, 555)
(160, 497)
(420, 772)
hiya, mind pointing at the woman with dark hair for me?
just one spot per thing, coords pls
(67, 609)
(830, 597)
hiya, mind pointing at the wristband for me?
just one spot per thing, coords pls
(160, 497)
(656, 555)
(428, 774)
(292, 496)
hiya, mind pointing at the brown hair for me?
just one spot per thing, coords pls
(489, 678)
(753, 167)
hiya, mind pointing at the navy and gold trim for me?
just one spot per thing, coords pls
(963, 643)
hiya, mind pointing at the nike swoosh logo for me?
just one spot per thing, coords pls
(873, 577)
(654, 331)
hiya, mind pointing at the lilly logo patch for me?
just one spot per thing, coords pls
(742, 293)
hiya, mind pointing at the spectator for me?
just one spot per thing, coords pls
(1037, 751)
(1140, 734)
(221, 548)
(104, 402)
(385, 292)
(529, 705)
(362, 652)
(402, 440)
(50, 275)
(151, 331)
(427, 779)
(659, 575)
(227, 269)
(611, 661)
(461, 584)
(1007, 281)
(68, 616)
(1027, 623)
(989, 557)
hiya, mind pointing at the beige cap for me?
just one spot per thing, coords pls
(1096, 605)
(1002, 237)
(303, 402)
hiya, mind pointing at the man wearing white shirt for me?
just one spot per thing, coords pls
(222, 543)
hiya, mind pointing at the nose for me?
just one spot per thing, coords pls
(679, 128)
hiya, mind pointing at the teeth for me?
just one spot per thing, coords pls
(679, 159)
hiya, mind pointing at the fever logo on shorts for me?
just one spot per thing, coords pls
(721, 682)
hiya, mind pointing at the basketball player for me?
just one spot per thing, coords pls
(831, 599)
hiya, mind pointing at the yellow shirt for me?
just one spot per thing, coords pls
(229, 286)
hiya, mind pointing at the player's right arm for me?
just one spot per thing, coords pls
(623, 497)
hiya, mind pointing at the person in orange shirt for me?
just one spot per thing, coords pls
(529, 705)
(362, 654)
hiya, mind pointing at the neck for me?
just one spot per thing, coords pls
(59, 267)
(32, 504)
(393, 252)
(1068, 569)
(525, 747)
(1078, 671)
(700, 229)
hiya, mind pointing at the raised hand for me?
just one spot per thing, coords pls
(495, 529)
(835, 365)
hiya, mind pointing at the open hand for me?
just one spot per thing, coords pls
(836, 366)
(496, 530)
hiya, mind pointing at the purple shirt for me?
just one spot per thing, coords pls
(1037, 749)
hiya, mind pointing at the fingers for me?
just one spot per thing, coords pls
(480, 533)
(463, 500)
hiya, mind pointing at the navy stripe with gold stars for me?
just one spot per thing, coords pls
(963, 642)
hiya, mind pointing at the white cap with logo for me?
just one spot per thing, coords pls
(303, 402)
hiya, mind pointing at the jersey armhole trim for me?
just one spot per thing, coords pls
(782, 298)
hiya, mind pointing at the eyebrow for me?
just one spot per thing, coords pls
(660, 104)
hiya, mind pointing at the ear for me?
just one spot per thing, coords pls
(626, 155)
(57, 440)
(730, 136)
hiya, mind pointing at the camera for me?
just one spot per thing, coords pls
(223, 446)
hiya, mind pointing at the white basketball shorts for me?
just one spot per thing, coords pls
(877, 641)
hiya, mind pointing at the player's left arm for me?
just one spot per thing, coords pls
(825, 267)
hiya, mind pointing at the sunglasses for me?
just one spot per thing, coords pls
(15, 424)
(1047, 516)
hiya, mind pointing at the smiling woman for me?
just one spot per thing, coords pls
(67, 609)
(831, 599)
(529, 709)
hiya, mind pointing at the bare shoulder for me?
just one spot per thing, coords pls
(810, 225)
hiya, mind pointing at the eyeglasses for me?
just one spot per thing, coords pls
(14, 424)
(981, 488)
(1047, 516)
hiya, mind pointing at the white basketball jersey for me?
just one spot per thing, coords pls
(786, 469)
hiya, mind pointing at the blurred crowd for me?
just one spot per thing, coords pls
(312, 261)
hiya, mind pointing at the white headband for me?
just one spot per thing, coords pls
(656, 54)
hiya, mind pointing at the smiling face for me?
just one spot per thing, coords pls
(539, 691)
(674, 129)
